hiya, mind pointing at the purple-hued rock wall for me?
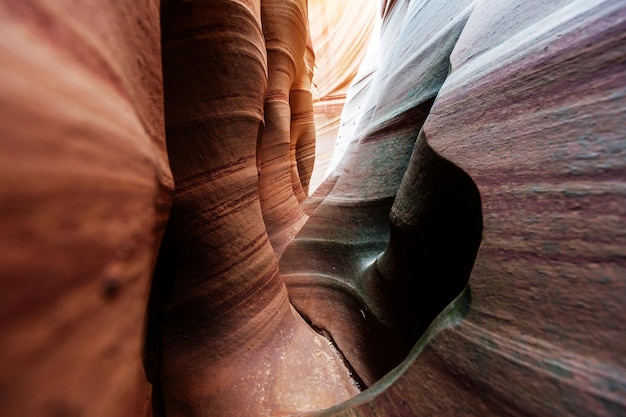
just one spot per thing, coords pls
(528, 122)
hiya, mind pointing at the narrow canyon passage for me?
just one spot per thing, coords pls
(230, 340)
(373, 262)
(171, 244)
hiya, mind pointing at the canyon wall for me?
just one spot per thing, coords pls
(232, 344)
(159, 256)
(85, 193)
(509, 119)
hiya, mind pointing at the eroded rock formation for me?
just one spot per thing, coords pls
(232, 343)
(85, 193)
(525, 129)
(483, 177)
(341, 32)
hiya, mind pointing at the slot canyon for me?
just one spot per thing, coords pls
(312, 208)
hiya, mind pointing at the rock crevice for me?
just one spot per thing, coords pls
(464, 257)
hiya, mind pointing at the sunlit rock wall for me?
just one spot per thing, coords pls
(340, 34)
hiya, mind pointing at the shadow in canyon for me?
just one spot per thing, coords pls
(374, 319)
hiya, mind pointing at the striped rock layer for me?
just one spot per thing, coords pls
(486, 174)
(341, 38)
(466, 256)
(232, 344)
(85, 193)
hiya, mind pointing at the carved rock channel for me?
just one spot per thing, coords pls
(160, 254)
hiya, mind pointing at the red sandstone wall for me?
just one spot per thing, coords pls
(85, 192)
(232, 344)
(486, 163)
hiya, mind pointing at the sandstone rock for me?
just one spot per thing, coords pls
(232, 343)
(84, 196)
(465, 257)
(340, 31)
(529, 114)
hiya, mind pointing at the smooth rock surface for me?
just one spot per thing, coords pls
(232, 345)
(528, 121)
(340, 33)
(465, 257)
(85, 192)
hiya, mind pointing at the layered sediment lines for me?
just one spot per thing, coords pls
(85, 193)
(465, 257)
(340, 32)
(285, 30)
(232, 343)
(527, 128)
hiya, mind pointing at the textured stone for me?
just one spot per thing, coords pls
(84, 197)
(529, 124)
(483, 175)
(232, 343)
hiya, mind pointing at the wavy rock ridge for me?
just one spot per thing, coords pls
(232, 343)
(464, 258)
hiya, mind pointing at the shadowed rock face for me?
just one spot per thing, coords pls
(231, 341)
(465, 257)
